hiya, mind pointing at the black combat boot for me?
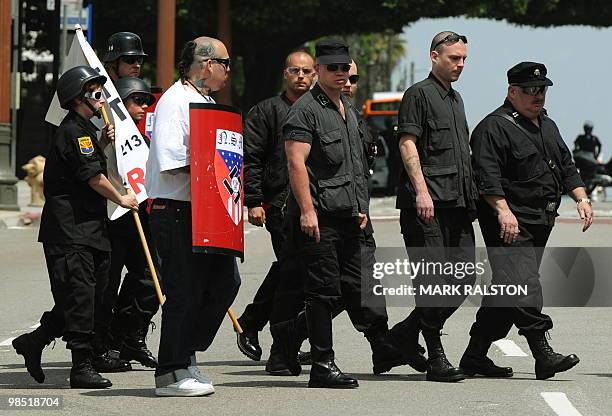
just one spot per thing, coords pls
(110, 362)
(548, 362)
(276, 365)
(327, 375)
(83, 375)
(135, 348)
(305, 357)
(475, 360)
(31, 346)
(438, 367)
(288, 344)
(386, 354)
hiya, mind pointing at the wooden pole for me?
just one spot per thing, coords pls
(166, 22)
(235, 322)
(143, 239)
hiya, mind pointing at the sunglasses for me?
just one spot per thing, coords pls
(94, 95)
(294, 70)
(223, 61)
(533, 91)
(354, 79)
(338, 67)
(140, 99)
(451, 39)
(131, 60)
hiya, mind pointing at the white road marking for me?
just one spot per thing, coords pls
(7, 342)
(560, 404)
(509, 348)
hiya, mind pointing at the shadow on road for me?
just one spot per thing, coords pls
(609, 375)
(267, 383)
(55, 378)
(112, 392)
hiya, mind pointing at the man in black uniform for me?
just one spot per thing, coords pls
(124, 56)
(126, 315)
(73, 230)
(522, 167)
(384, 356)
(372, 321)
(265, 192)
(327, 210)
(134, 308)
(588, 142)
(436, 194)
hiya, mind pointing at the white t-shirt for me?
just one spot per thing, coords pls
(170, 146)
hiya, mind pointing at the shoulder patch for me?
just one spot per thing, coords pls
(85, 145)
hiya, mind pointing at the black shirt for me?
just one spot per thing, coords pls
(265, 165)
(336, 164)
(588, 143)
(74, 214)
(509, 163)
(436, 117)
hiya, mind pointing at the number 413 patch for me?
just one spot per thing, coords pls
(85, 145)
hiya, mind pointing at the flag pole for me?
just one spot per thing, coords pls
(160, 296)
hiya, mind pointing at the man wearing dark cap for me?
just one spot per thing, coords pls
(326, 209)
(522, 166)
(124, 55)
(436, 196)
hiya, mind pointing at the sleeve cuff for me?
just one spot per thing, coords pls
(88, 171)
(572, 183)
(409, 128)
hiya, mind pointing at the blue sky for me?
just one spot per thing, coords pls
(574, 56)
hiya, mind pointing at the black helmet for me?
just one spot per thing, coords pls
(72, 83)
(122, 44)
(131, 85)
(588, 125)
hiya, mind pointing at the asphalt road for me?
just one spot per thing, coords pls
(243, 387)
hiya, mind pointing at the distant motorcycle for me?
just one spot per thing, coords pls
(593, 173)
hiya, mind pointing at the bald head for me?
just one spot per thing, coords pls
(438, 38)
(298, 57)
(207, 47)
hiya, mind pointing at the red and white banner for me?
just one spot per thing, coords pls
(127, 160)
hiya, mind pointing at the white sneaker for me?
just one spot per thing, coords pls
(185, 387)
(195, 372)
(181, 383)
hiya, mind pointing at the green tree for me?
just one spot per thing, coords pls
(265, 31)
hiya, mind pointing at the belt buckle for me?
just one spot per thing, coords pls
(551, 206)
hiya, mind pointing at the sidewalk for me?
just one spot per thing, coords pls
(26, 216)
(380, 208)
(384, 208)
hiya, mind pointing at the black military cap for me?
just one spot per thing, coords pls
(330, 51)
(528, 74)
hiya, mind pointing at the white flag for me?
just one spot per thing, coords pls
(127, 160)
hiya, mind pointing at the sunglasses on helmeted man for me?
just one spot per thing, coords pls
(354, 79)
(131, 60)
(140, 99)
(338, 67)
(94, 95)
(451, 39)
